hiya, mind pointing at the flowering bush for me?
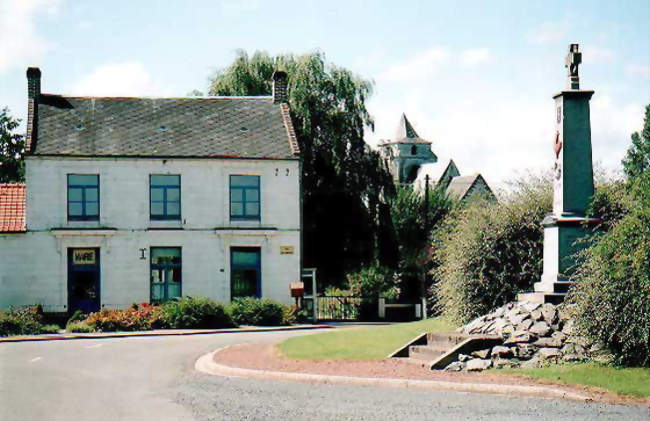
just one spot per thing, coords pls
(138, 317)
(374, 282)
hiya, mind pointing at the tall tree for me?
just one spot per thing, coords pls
(12, 149)
(637, 161)
(344, 183)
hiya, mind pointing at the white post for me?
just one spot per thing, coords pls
(382, 308)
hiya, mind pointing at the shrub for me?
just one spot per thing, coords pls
(488, 252)
(258, 312)
(374, 282)
(79, 326)
(194, 313)
(612, 299)
(23, 321)
(111, 320)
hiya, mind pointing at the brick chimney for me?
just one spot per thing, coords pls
(280, 95)
(33, 93)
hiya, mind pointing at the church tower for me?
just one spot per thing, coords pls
(406, 152)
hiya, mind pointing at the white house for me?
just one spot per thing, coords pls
(143, 199)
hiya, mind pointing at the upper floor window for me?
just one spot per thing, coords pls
(165, 196)
(245, 197)
(83, 197)
(414, 150)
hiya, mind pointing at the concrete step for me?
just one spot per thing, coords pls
(542, 297)
(426, 352)
(557, 287)
(469, 345)
(446, 339)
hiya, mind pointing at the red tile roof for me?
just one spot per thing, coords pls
(12, 207)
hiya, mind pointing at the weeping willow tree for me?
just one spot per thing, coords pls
(347, 222)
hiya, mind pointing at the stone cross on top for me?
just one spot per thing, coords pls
(573, 60)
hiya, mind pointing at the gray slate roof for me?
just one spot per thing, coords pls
(237, 127)
(460, 186)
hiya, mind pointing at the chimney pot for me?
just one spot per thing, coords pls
(280, 94)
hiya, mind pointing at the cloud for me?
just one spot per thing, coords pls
(596, 54)
(506, 138)
(118, 79)
(474, 56)
(641, 70)
(20, 44)
(417, 67)
(550, 32)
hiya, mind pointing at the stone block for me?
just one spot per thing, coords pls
(455, 366)
(559, 336)
(505, 363)
(501, 351)
(549, 353)
(536, 315)
(567, 329)
(549, 311)
(519, 336)
(540, 329)
(532, 363)
(525, 351)
(548, 343)
(478, 364)
(483, 353)
(525, 325)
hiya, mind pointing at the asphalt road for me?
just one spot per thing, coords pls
(154, 379)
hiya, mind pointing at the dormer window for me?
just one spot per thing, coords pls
(414, 150)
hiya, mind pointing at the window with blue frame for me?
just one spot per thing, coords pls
(245, 197)
(166, 273)
(165, 197)
(245, 272)
(83, 197)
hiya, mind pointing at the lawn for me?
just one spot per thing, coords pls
(626, 381)
(366, 343)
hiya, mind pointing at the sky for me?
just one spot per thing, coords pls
(476, 78)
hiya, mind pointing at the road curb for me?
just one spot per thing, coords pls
(67, 337)
(207, 365)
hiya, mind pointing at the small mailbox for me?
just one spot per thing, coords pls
(297, 289)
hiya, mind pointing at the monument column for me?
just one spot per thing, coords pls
(573, 186)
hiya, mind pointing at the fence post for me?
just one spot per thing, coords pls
(382, 308)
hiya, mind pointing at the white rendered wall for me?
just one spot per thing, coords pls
(33, 266)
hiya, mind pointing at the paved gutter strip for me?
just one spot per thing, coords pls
(206, 364)
(66, 337)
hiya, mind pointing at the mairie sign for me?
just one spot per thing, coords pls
(83, 257)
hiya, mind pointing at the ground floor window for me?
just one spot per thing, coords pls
(166, 268)
(245, 269)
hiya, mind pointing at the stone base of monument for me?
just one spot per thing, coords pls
(541, 297)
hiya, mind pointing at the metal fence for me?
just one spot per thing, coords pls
(346, 308)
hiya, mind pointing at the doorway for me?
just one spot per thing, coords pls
(245, 272)
(83, 280)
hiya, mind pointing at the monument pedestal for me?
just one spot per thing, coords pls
(566, 229)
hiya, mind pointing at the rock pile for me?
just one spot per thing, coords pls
(532, 333)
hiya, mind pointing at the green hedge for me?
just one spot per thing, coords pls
(260, 312)
(612, 297)
(24, 321)
(488, 252)
(194, 313)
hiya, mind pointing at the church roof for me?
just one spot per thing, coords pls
(460, 186)
(406, 133)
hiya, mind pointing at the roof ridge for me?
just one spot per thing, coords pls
(216, 97)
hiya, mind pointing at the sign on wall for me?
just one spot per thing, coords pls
(286, 249)
(83, 257)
